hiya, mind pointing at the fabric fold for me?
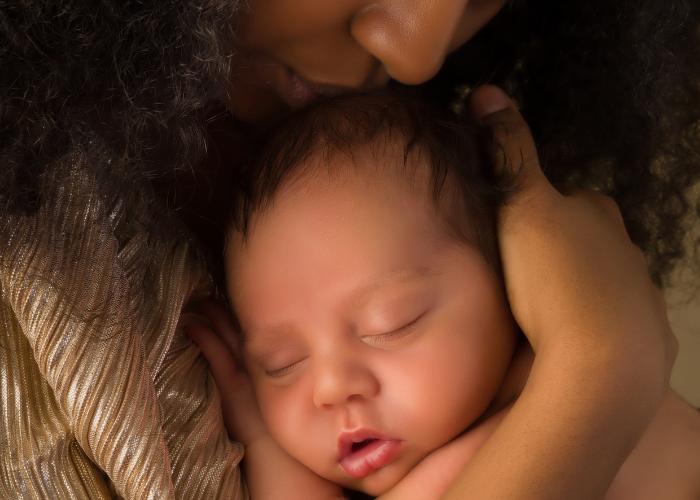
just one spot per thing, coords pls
(101, 389)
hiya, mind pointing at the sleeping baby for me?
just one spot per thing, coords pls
(377, 348)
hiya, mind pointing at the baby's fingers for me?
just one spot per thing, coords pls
(238, 404)
(224, 326)
(221, 361)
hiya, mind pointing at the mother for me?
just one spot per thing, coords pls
(103, 395)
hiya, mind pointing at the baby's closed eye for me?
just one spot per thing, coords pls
(393, 335)
(279, 373)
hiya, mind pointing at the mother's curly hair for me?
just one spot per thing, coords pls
(611, 91)
(609, 88)
(126, 76)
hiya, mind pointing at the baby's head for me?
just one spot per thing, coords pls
(362, 266)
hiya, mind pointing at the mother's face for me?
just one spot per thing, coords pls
(289, 51)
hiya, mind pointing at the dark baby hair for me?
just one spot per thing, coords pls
(466, 188)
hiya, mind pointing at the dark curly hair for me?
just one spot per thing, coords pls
(611, 91)
(609, 88)
(129, 77)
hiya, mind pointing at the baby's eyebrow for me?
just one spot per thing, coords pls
(269, 335)
(398, 275)
(243, 336)
(246, 336)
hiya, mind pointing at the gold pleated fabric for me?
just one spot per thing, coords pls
(103, 395)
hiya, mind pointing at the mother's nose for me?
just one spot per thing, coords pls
(410, 37)
(340, 379)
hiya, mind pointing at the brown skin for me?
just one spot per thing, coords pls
(580, 291)
(290, 50)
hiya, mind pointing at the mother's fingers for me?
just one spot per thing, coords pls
(515, 149)
(238, 404)
(605, 203)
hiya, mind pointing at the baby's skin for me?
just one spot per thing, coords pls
(379, 351)
(665, 464)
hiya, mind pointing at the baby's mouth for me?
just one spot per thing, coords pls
(361, 455)
(361, 444)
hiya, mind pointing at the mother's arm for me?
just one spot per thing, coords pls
(581, 293)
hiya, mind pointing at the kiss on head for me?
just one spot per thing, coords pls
(392, 275)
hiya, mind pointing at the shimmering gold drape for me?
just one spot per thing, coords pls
(102, 393)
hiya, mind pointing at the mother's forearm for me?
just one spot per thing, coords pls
(580, 415)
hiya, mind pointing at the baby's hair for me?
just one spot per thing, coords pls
(466, 187)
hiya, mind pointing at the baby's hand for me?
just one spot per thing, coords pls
(271, 473)
(240, 408)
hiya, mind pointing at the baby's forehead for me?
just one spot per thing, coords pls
(383, 164)
(380, 169)
(380, 178)
(369, 175)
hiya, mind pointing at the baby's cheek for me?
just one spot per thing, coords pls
(296, 425)
(434, 398)
(279, 410)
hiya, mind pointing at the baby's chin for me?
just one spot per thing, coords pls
(377, 483)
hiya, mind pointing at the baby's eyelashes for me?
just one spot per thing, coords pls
(392, 336)
(281, 362)
(285, 370)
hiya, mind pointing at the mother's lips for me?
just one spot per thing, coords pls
(363, 452)
(296, 91)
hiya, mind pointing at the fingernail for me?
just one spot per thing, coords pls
(499, 101)
(489, 99)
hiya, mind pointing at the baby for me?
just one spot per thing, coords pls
(363, 270)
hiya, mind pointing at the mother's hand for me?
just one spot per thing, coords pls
(580, 291)
(569, 265)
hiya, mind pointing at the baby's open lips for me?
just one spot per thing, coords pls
(362, 452)
(361, 444)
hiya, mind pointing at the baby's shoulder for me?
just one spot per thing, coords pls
(666, 462)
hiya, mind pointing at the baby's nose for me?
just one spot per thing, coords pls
(340, 379)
